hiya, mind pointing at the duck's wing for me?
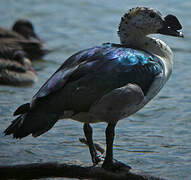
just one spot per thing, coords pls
(33, 49)
(59, 78)
(8, 47)
(120, 64)
(6, 33)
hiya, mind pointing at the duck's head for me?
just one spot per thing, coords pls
(142, 21)
(22, 60)
(26, 29)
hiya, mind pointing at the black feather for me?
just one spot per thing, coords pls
(22, 109)
(30, 123)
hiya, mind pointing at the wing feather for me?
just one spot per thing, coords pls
(133, 66)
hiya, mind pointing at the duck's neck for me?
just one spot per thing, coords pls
(152, 45)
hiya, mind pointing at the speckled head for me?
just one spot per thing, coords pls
(142, 21)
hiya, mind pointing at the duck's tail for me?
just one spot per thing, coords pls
(31, 123)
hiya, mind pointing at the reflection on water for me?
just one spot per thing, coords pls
(158, 133)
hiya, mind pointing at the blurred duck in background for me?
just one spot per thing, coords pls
(15, 68)
(24, 37)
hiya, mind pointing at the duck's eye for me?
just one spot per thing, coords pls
(152, 15)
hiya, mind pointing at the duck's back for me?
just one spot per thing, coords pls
(6, 33)
(90, 74)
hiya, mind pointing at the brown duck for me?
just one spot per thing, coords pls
(16, 70)
(24, 37)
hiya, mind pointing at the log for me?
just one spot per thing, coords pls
(53, 169)
(70, 170)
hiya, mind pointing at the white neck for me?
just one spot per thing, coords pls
(150, 44)
(157, 47)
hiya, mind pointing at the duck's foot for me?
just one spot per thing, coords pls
(115, 166)
(99, 147)
(97, 158)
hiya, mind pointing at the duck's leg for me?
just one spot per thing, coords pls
(109, 163)
(88, 134)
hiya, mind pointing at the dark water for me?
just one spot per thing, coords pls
(156, 140)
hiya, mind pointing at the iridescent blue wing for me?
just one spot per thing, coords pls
(120, 63)
(59, 78)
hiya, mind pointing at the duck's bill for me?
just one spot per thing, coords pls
(171, 32)
(171, 27)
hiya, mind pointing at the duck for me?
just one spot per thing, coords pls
(24, 36)
(104, 83)
(22, 28)
(16, 70)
